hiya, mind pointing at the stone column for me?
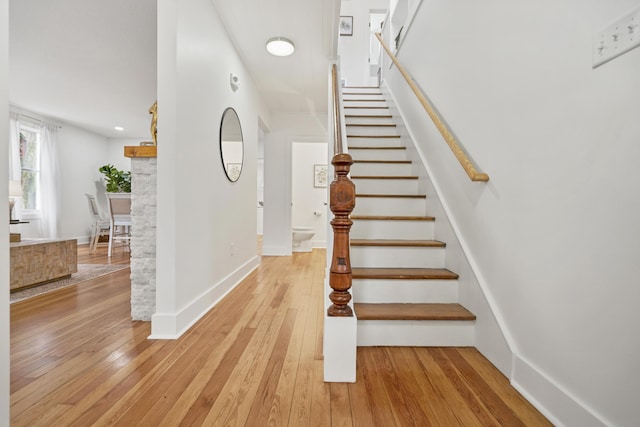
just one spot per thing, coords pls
(143, 232)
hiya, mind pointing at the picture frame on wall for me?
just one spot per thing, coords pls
(320, 177)
(233, 170)
(346, 25)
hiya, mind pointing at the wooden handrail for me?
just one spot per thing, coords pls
(337, 124)
(342, 200)
(448, 137)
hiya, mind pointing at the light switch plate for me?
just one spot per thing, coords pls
(619, 37)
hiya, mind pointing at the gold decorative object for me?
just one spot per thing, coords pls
(154, 122)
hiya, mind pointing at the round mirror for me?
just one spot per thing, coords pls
(231, 145)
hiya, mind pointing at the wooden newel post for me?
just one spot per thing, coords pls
(342, 200)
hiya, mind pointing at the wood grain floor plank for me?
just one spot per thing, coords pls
(361, 404)
(403, 390)
(198, 409)
(340, 406)
(265, 404)
(468, 396)
(483, 392)
(255, 359)
(439, 380)
(300, 398)
(290, 383)
(380, 403)
(79, 386)
(499, 384)
(437, 407)
(242, 387)
(320, 398)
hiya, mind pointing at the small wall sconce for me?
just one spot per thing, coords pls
(233, 81)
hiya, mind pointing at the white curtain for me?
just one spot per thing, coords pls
(49, 182)
(14, 148)
(47, 225)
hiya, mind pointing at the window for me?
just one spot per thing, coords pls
(30, 169)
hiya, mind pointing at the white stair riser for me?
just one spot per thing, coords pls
(372, 130)
(375, 291)
(378, 154)
(416, 333)
(390, 206)
(386, 186)
(385, 229)
(368, 120)
(396, 257)
(367, 111)
(384, 169)
(364, 104)
(360, 89)
(375, 142)
(362, 95)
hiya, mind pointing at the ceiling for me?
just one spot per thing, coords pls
(93, 64)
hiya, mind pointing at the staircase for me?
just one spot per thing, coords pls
(403, 294)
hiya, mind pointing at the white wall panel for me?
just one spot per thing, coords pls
(554, 233)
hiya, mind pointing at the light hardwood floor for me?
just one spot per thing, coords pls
(255, 360)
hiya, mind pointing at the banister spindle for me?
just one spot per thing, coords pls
(342, 201)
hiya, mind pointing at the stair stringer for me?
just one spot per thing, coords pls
(492, 337)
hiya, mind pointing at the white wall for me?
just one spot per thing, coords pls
(260, 182)
(115, 151)
(284, 129)
(4, 215)
(80, 155)
(354, 50)
(307, 199)
(206, 225)
(554, 233)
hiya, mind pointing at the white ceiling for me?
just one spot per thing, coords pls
(93, 64)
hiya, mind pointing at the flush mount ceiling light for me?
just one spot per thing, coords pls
(279, 46)
(118, 128)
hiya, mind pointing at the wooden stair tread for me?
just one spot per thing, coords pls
(398, 243)
(404, 273)
(368, 116)
(394, 196)
(397, 311)
(377, 148)
(361, 87)
(367, 107)
(400, 162)
(362, 93)
(373, 136)
(384, 177)
(388, 125)
(363, 100)
(393, 217)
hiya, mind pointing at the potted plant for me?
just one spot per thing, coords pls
(117, 181)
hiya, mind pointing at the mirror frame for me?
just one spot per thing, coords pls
(224, 165)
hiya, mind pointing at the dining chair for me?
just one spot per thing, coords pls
(120, 218)
(100, 226)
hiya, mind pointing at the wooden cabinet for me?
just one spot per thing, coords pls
(34, 262)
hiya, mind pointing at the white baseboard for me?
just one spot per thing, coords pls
(166, 326)
(555, 403)
(83, 240)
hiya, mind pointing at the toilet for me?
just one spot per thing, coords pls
(302, 238)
